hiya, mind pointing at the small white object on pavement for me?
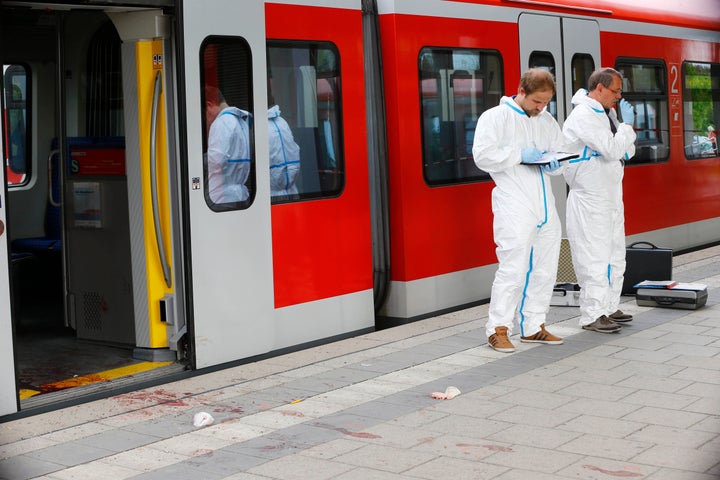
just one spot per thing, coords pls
(202, 419)
(448, 394)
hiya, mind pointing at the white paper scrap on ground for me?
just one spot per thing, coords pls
(202, 419)
(448, 394)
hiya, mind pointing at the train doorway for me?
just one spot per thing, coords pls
(91, 306)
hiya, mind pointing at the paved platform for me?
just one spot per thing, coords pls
(641, 404)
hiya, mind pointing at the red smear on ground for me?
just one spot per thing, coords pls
(158, 396)
(614, 473)
(345, 431)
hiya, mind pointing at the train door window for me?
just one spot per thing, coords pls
(701, 108)
(305, 121)
(456, 87)
(582, 65)
(16, 134)
(229, 163)
(644, 86)
(546, 61)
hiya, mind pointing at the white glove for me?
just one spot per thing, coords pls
(530, 155)
(552, 166)
(627, 112)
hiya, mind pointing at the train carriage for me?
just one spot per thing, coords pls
(120, 266)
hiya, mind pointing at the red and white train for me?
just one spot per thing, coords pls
(110, 243)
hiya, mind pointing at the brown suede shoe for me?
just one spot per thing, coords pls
(543, 336)
(620, 317)
(500, 341)
(603, 325)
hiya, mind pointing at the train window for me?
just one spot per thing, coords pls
(645, 87)
(305, 121)
(582, 66)
(229, 159)
(546, 61)
(456, 87)
(701, 107)
(16, 134)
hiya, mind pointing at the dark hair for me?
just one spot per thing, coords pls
(537, 79)
(214, 95)
(603, 76)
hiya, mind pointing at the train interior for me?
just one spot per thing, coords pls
(68, 221)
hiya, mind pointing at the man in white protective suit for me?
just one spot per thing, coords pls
(595, 212)
(284, 156)
(228, 155)
(509, 138)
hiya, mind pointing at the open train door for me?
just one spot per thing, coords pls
(8, 390)
(223, 50)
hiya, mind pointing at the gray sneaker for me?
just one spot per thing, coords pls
(603, 325)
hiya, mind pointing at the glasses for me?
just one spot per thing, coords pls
(616, 92)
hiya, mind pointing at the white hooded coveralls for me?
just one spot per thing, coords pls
(284, 155)
(526, 226)
(228, 158)
(595, 212)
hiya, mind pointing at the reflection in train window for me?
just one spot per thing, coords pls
(545, 61)
(304, 89)
(229, 158)
(16, 135)
(701, 108)
(582, 66)
(456, 87)
(645, 87)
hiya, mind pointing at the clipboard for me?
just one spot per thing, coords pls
(548, 157)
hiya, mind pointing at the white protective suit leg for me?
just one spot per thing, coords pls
(527, 252)
(590, 233)
(617, 259)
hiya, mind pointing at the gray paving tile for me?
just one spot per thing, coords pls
(179, 471)
(166, 427)
(404, 358)
(459, 342)
(292, 468)
(362, 473)
(23, 467)
(385, 409)
(283, 394)
(672, 436)
(317, 384)
(530, 398)
(650, 398)
(118, 440)
(692, 459)
(530, 458)
(597, 468)
(701, 389)
(434, 350)
(382, 457)
(672, 474)
(377, 365)
(347, 375)
(539, 417)
(463, 425)
(596, 390)
(70, 453)
(533, 436)
(455, 468)
(665, 417)
(604, 426)
(221, 462)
